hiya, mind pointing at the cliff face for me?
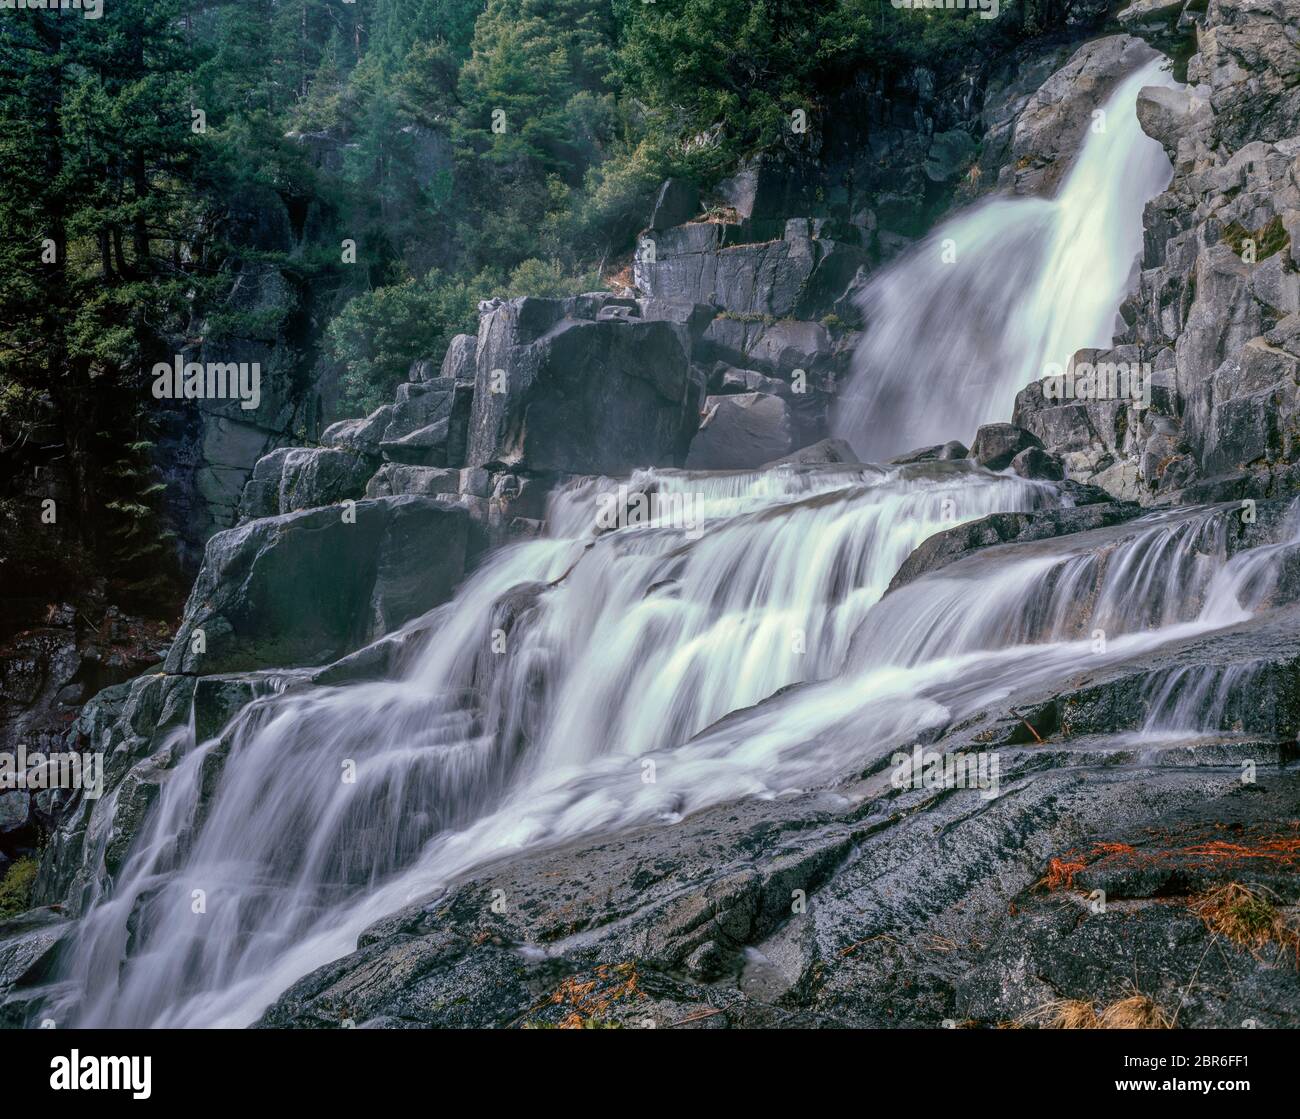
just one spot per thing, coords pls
(1214, 316)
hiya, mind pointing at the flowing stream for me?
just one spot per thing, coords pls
(570, 667)
(961, 323)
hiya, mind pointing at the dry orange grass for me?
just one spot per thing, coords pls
(1245, 917)
(1136, 1012)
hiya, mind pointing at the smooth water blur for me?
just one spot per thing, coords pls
(566, 665)
(583, 646)
(948, 345)
(569, 667)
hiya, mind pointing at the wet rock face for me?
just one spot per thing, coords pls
(1053, 121)
(945, 547)
(997, 445)
(29, 946)
(307, 587)
(740, 432)
(1100, 925)
(130, 724)
(555, 392)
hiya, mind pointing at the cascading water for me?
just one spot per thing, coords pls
(565, 664)
(978, 309)
(582, 646)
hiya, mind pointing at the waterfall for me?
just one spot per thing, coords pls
(588, 645)
(979, 308)
(1180, 701)
(728, 635)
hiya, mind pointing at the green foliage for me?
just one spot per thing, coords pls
(547, 279)
(528, 61)
(16, 888)
(378, 334)
(398, 27)
(96, 200)
(1264, 242)
(737, 69)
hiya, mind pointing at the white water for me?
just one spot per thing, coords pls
(949, 342)
(566, 664)
(640, 639)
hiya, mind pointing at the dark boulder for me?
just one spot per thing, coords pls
(676, 203)
(952, 544)
(826, 452)
(940, 452)
(1035, 463)
(15, 810)
(740, 432)
(997, 444)
(556, 393)
(308, 587)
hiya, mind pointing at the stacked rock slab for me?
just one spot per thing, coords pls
(780, 295)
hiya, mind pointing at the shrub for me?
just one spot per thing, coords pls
(16, 889)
